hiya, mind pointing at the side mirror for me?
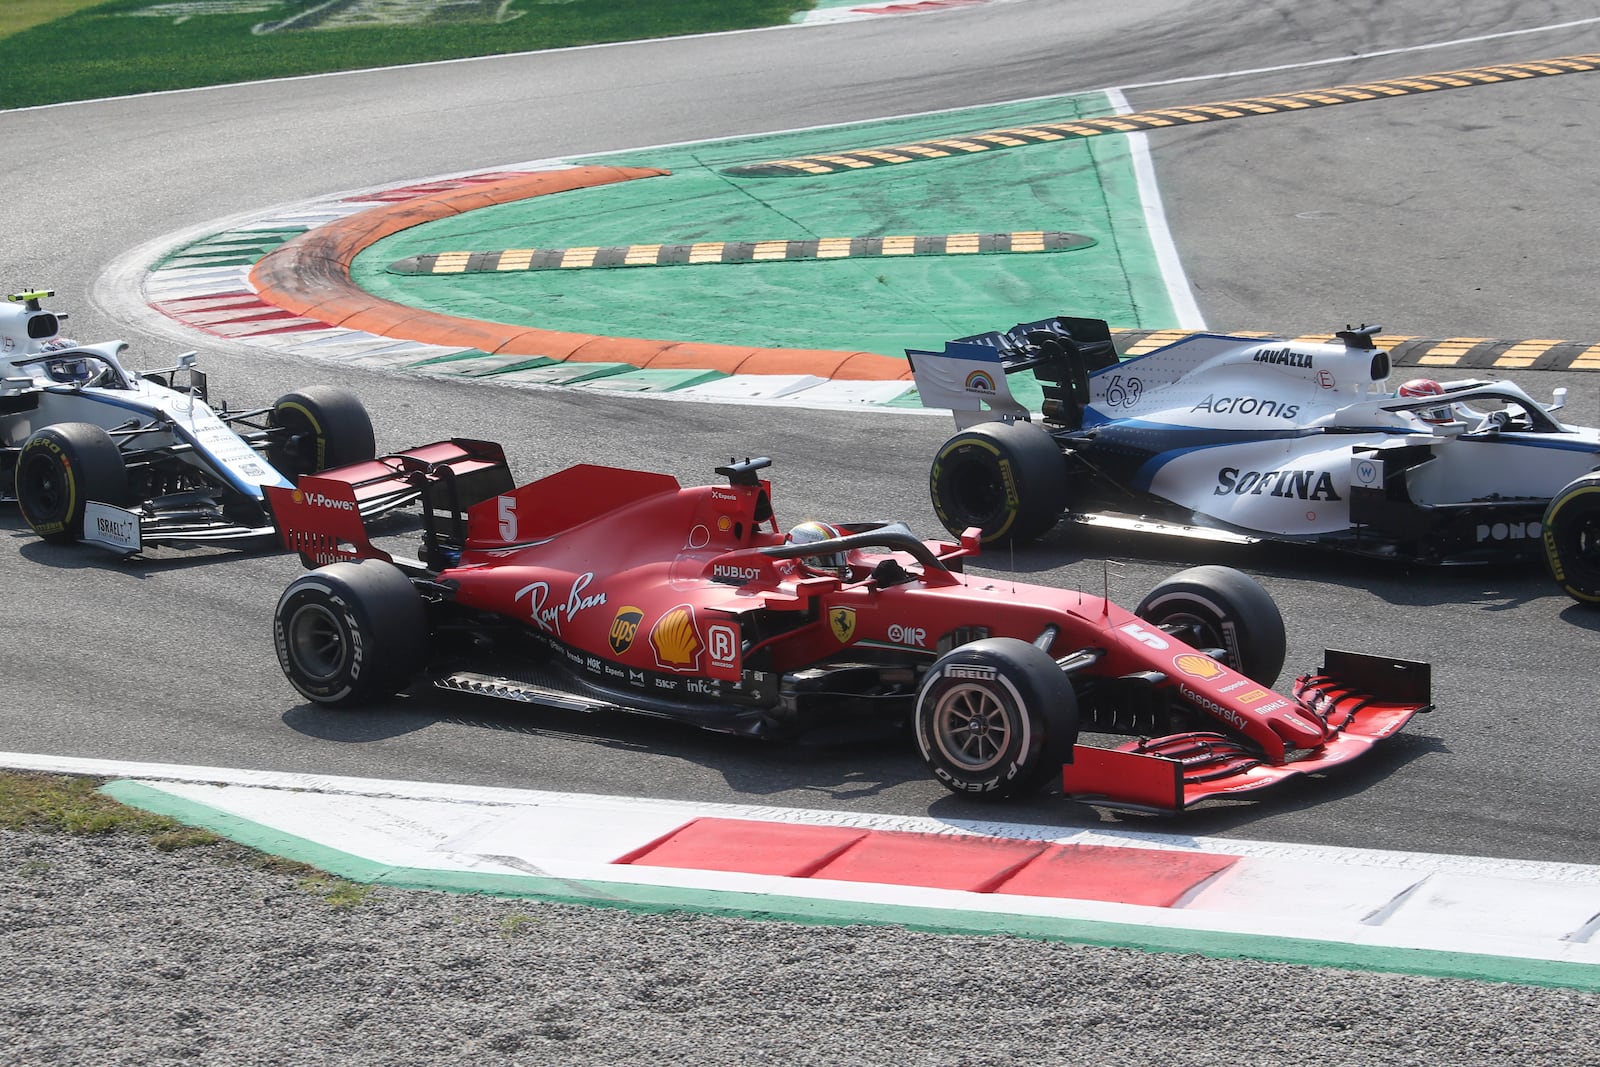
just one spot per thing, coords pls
(1558, 399)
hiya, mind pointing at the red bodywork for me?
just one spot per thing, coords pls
(684, 593)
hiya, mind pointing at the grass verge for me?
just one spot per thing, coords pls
(18, 15)
(138, 46)
(64, 804)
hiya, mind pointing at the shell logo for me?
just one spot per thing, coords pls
(299, 496)
(1197, 666)
(675, 640)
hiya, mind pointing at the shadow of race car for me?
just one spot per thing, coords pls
(605, 589)
(1245, 439)
(92, 452)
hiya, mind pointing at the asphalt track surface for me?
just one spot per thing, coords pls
(1452, 214)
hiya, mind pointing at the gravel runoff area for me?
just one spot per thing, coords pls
(112, 952)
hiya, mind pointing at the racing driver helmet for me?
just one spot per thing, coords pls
(809, 533)
(1428, 387)
(69, 371)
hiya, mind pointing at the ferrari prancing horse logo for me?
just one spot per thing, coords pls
(843, 623)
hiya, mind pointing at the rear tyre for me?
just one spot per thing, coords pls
(994, 718)
(1572, 539)
(1007, 478)
(350, 633)
(317, 428)
(60, 470)
(1219, 607)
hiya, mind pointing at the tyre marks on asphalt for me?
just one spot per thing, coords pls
(1162, 118)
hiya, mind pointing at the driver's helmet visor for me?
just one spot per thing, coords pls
(69, 370)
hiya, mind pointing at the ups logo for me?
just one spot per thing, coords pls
(624, 628)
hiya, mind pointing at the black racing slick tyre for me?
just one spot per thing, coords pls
(60, 469)
(1572, 539)
(1007, 478)
(994, 718)
(317, 428)
(350, 633)
(1219, 607)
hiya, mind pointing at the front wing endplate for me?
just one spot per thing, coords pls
(1361, 700)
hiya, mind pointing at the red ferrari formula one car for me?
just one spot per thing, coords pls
(599, 588)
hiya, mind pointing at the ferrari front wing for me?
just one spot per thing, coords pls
(1362, 699)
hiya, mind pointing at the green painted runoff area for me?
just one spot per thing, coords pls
(878, 304)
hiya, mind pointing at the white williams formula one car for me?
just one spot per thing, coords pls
(1244, 439)
(91, 452)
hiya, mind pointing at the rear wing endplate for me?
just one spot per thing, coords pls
(969, 379)
(323, 518)
(969, 376)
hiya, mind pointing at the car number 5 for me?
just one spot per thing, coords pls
(1143, 636)
(508, 518)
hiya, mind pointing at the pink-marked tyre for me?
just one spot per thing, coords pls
(1219, 607)
(995, 718)
(350, 633)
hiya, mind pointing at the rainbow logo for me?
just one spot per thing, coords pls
(981, 381)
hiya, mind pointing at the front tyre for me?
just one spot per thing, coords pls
(350, 633)
(60, 469)
(317, 428)
(1007, 478)
(994, 718)
(1572, 539)
(1219, 607)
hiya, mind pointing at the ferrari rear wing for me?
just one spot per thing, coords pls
(322, 518)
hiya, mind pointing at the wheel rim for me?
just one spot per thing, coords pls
(1586, 545)
(1198, 632)
(39, 482)
(299, 451)
(316, 642)
(975, 493)
(971, 727)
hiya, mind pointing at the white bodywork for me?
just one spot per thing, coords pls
(47, 379)
(178, 418)
(1269, 436)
